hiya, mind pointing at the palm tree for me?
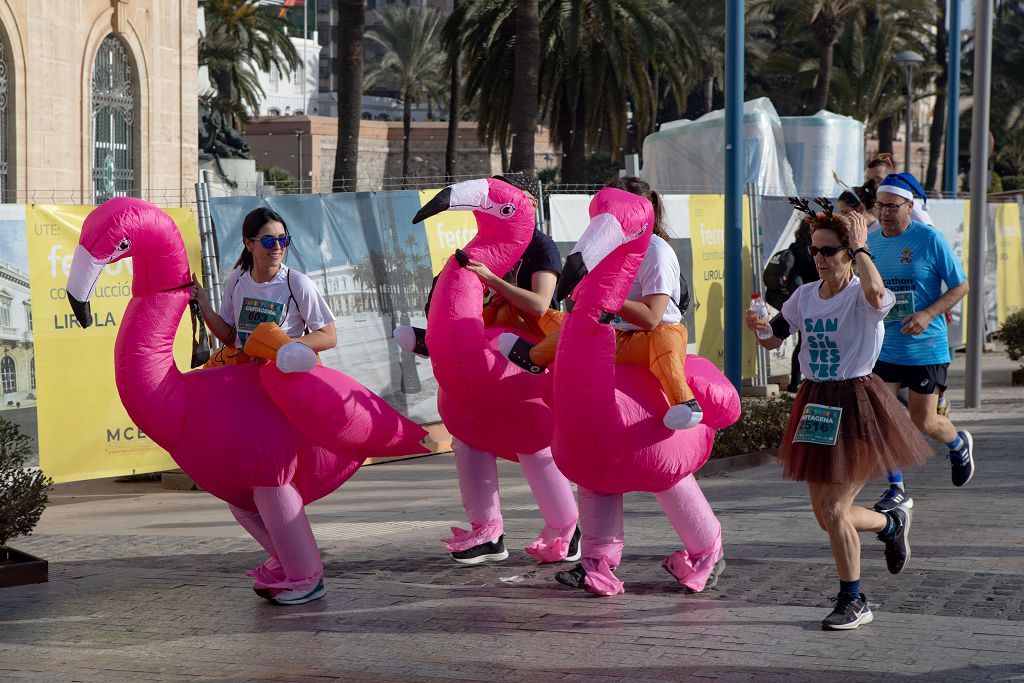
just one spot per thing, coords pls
(350, 92)
(242, 36)
(453, 44)
(598, 59)
(412, 61)
(524, 86)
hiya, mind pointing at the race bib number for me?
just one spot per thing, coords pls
(818, 424)
(257, 311)
(903, 307)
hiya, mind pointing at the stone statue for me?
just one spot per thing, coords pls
(217, 139)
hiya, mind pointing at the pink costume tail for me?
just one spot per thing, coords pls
(478, 482)
(699, 530)
(283, 530)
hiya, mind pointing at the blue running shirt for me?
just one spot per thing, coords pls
(914, 265)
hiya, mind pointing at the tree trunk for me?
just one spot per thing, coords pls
(885, 134)
(406, 131)
(819, 100)
(451, 164)
(709, 93)
(574, 137)
(350, 92)
(938, 127)
(524, 86)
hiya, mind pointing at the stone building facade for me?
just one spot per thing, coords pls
(97, 99)
(17, 360)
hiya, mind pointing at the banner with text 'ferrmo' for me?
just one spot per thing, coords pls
(83, 430)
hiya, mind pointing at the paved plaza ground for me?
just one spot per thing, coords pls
(148, 584)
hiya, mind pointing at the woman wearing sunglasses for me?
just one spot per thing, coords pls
(262, 289)
(846, 427)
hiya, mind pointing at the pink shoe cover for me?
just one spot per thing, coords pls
(464, 539)
(553, 544)
(599, 579)
(693, 571)
(271, 574)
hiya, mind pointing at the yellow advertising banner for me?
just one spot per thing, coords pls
(446, 232)
(84, 431)
(707, 240)
(1009, 261)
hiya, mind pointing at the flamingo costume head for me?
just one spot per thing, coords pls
(230, 428)
(608, 434)
(485, 400)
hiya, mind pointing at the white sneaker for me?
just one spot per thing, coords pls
(300, 597)
(295, 357)
(683, 416)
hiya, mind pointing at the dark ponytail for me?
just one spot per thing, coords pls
(251, 225)
(861, 195)
(643, 189)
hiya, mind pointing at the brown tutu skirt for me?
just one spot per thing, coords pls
(875, 435)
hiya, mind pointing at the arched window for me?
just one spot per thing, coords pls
(5, 103)
(114, 106)
(8, 375)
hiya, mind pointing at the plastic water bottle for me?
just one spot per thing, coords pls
(758, 306)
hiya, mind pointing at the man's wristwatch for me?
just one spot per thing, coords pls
(854, 252)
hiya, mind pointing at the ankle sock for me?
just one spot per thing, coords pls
(890, 526)
(956, 444)
(850, 587)
(896, 480)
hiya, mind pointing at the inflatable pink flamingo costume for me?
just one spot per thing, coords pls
(264, 441)
(491, 406)
(609, 437)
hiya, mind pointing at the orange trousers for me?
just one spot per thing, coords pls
(262, 344)
(662, 349)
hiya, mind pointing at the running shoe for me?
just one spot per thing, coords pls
(300, 597)
(573, 578)
(848, 614)
(492, 551)
(961, 462)
(897, 542)
(574, 553)
(892, 498)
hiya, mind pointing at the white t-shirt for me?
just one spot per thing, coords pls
(842, 335)
(248, 303)
(658, 274)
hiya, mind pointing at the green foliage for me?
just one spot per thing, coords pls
(1012, 183)
(23, 492)
(760, 426)
(1012, 334)
(548, 176)
(600, 169)
(281, 179)
(995, 182)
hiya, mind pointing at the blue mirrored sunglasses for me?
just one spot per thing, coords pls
(268, 241)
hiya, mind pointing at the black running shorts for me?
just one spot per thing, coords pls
(921, 379)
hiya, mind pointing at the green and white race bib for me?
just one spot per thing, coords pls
(903, 307)
(818, 424)
(257, 311)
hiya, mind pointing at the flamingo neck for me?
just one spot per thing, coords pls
(149, 382)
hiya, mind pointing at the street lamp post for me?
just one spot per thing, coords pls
(907, 59)
(922, 156)
(298, 138)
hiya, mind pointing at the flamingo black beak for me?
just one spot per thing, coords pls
(440, 202)
(85, 271)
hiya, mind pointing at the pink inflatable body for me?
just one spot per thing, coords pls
(608, 434)
(485, 400)
(232, 429)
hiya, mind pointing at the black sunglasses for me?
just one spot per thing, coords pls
(268, 241)
(824, 251)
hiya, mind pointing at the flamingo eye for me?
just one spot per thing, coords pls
(124, 244)
(507, 210)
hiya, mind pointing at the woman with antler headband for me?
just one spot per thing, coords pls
(846, 427)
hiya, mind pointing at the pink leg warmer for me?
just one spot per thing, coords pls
(283, 518)
(478, 483)
(271, 570)
(603, 540)
(554, 497)
(699, 530)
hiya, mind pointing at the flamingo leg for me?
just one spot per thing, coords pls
(478, 484)
(557, 505)
(289, 539)
(603, 540)
(699, 530)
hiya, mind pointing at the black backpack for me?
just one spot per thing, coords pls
(778, 278)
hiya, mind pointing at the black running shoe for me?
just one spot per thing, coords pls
(961, 462)
(573, 578)
(716, 573)
(849, 613)
(897, 543)
(574, 553)
(892, 498)
(492, 551)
